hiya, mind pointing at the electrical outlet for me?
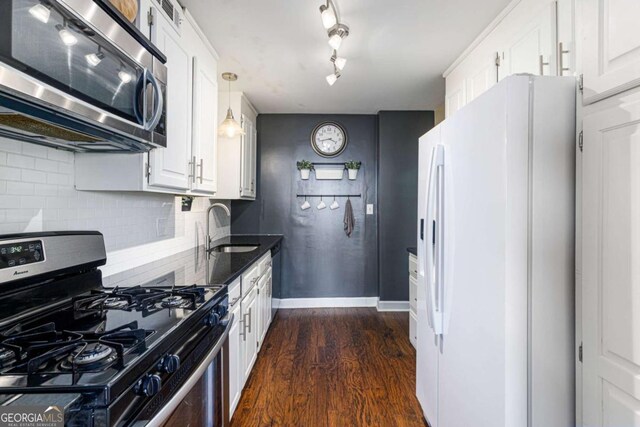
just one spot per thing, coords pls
(369, 209)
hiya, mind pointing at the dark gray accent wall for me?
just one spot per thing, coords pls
(398, 133)
(318, 259)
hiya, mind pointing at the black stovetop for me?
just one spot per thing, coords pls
(98, 335)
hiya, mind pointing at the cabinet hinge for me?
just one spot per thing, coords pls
(581, 83)
(497, 59)
(147, 170)
(150, 16)
(581, 141)
(580, 353)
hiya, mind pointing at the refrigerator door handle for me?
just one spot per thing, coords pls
(440, 242)
(431, 262)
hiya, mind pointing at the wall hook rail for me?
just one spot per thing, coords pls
(329, 195)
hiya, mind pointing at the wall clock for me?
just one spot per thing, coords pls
(328, 139)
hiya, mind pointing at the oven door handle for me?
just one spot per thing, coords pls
(161, 417)
(158, 102)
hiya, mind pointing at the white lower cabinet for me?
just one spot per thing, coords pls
(250, 302)
(249, 332)
(235, 386)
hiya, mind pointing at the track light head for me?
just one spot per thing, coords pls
(328, 16)
(337, 33)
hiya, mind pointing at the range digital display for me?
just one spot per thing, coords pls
(23, 253)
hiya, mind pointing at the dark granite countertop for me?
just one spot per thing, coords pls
(226, 267)
(195, 266)
(413, 250)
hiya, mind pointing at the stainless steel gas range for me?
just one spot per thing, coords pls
(147, 355)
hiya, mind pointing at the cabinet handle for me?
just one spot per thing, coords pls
(561, 52)
(542, 64)
(201, 166)
(192, 169)
(269, 264)
(233, 301)
(250, 319)
(243, 334)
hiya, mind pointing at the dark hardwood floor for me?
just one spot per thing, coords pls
(333, 367)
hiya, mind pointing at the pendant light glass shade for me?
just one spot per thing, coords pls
(328, 17)
(230, 127)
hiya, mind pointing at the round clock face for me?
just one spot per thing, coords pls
(329, 139)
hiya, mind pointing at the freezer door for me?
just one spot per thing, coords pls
(428, 340)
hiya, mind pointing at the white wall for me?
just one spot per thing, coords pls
(37, 194)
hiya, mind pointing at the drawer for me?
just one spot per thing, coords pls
(413, 330)
(249, 279)
(264, 264)
(413, 266)
(235, 292)
(413, 294)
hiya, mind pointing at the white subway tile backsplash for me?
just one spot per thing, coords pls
(46, 165)
(9, 173)
(37, 194)
(20, 161)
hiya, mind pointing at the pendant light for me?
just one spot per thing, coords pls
(229, 126)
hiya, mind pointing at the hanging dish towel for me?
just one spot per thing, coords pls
(349, 220)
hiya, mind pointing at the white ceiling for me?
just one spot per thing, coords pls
(396, 51)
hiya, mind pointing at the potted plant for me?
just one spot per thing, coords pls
(305, 167)
(353, 167)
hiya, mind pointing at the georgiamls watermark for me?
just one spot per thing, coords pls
(31, 416)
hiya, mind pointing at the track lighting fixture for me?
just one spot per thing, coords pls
(332, 78)
(338, 61)
(337, 32)
(328, 16)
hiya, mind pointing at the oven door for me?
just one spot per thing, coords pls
(203, 400)
(71, 57)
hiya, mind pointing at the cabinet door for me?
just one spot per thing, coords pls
(455, 100)
(533, 50)
(246, 156)
(610, 47)
(482, 78)
(262, 293)
(610, 282)
(268, 298)
(170, 166)
(205, 123)
(235, 361)
(250, 317)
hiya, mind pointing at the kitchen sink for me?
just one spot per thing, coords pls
(235, 248)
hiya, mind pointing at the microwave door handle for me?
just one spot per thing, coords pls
(137, 96)
(158, 101)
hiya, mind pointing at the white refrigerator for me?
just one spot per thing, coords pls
(496, 227)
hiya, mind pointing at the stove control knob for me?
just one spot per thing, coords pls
(169, 364)
(212, 319)
(148, 386)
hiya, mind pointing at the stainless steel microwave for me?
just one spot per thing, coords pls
(73, 76)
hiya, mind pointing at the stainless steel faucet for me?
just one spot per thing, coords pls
(219, 205)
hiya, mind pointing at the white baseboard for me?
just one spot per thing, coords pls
(344, 302)
(328, 302)
(393, 306)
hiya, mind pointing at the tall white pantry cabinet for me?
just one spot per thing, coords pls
(609, 290)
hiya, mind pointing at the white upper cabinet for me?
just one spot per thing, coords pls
(532, 50)
(237, 156)
(610, 47)
(204, 153)
(524, 38)
(170, 166)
